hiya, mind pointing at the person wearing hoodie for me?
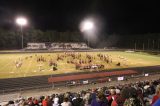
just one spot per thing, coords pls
(157, 95)
(102, 101)
(77, 101)
(94, 100)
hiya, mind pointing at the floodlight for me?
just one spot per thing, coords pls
(87, 25)
(22, 22)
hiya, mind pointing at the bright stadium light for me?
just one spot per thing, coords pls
(87, 27)
(21, 21)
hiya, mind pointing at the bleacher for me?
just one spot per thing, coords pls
(56, 46)
(36, 46)
(69, 46)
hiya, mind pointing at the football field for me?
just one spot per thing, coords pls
(15, 65)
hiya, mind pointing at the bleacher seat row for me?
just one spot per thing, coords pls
(53, 46)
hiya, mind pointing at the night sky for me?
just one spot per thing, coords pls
(117, 16)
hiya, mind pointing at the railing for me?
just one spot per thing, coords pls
(18, 92)
(53, 85)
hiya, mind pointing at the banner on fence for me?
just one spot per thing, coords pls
(120, 78)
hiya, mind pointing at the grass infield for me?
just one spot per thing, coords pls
(30, 66)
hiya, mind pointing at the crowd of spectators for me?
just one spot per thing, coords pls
(142, 93)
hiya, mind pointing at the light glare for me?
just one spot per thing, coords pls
(87, 26)
(21, 21)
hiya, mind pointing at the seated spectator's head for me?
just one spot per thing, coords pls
(117, 91)
(87, 96)
(112, 91)
(128, 92)
(94, 90)
(101, 97)
(42, 97)
(77, 95)
(107, 93)
(65, 99)
(53, 95)
(11, 102)
(67, 95)
(158, 90)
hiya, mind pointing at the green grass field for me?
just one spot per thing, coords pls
(30, 66)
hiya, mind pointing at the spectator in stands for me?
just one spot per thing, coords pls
(49, 101)
(35, 102)
(134, 99)
(22, 102)
(30, 101)
(122, 95)
(157, 103)
(94, 100)
(56, 100)
(77, 101)
(66, 102)
(87, 99)
(112, 96)
(102, 101)
(45, 101)
(157, 95)
(16, 103)
(118, 101)
(10, 103)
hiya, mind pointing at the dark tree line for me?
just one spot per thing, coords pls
(150, 41)
(11, 39)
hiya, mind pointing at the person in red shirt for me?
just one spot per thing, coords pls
(157, 95)
(112, 96)
(35, 101)
(119, 100)
(45, 101)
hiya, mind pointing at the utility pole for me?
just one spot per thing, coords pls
(148, 44)
(153, 44)
(143, 46)
(158, 44)
(135, 46)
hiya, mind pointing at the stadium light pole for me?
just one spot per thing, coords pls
(21, 21)
(87, 26)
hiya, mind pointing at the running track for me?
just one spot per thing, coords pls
(90, 76)
(24, 83)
